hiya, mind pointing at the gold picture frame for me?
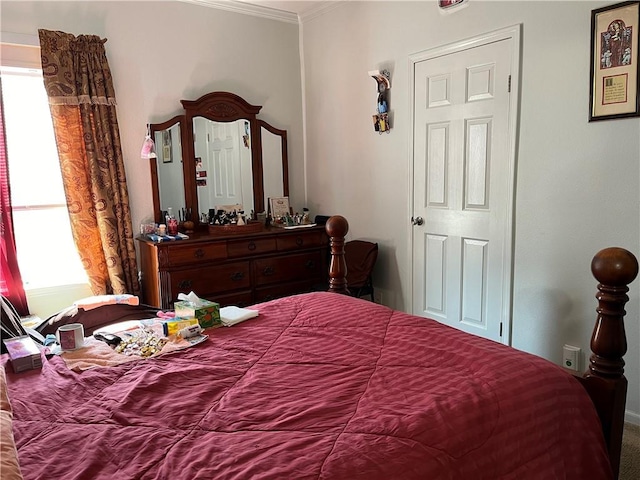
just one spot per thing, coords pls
(615, 70)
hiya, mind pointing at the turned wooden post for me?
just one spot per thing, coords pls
(614, 268)
(337, 228)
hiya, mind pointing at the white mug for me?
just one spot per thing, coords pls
(71, 336)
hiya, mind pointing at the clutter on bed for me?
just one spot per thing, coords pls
(135, 341)
(98, 317)
(192, 306)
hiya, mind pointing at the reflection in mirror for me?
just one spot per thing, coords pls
(272, 165)
(275, 172)
(223, 163)
(169, 169)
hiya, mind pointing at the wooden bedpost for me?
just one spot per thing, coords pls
(614, 268)
(337, 228)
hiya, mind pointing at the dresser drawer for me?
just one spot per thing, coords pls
(239, 299)
(195, 254)
(266, 294)
(288, 268)
(206, 281)
(257, 246)
(300, 240)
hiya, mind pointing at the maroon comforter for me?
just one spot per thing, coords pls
(318, 386)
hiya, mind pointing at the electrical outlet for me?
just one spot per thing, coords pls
(571, 357)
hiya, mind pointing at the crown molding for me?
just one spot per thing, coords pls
(267, 12)
(247, 9)
(319, 9)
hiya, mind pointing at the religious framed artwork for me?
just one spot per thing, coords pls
(615, 70)
(450, 4)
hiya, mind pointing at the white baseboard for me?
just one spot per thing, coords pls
(632, 417)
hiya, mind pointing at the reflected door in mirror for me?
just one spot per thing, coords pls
(223, 163)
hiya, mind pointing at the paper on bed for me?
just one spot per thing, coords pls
(232, 315)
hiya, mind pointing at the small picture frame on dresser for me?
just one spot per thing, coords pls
(279, 207)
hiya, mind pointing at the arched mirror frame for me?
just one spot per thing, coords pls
(153, 163)
(285, 156)
(220, 107)
(223, 107)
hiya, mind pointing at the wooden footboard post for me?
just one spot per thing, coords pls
(337, 228)
(614, 268)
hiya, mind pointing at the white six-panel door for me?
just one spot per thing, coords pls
(463, 177)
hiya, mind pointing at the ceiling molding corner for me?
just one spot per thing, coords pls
(247, 9)
(319, 9)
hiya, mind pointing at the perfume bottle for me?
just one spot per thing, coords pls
(172, 222)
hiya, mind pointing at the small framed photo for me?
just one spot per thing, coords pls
(279, 207)
(381, 123)
(166, 146)
(615, 71)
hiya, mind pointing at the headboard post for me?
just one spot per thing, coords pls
(614, 268)
(337, 228)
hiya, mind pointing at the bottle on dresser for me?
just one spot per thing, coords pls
(172, 222)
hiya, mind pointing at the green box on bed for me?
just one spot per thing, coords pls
(207, 313)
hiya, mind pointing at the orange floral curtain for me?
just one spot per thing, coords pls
(83, 106)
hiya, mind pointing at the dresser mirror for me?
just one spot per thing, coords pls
(217, 153)
(274, 160)
(167, 170)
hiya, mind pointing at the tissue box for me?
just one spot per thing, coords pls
(207, 313)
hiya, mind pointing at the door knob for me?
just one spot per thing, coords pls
(417, 221)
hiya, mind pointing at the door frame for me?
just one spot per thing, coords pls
(512, 34)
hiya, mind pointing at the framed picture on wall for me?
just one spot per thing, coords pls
(446, 4)
(615, 70)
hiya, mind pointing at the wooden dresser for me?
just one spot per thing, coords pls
(234, 269)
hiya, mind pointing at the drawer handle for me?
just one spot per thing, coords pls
(199, 253)
(237, 276)
(310, 265)
(184, 284)
(299, 241)
(268, 271)
(251, 246)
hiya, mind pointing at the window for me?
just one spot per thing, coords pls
(45, 248)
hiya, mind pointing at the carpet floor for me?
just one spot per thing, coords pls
(630, 458)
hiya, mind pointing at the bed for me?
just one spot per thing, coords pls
(327, 386)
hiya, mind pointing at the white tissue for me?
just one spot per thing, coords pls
(231, 315)
(191, 298)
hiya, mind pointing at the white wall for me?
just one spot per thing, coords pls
(577, 182)
(163, 52)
